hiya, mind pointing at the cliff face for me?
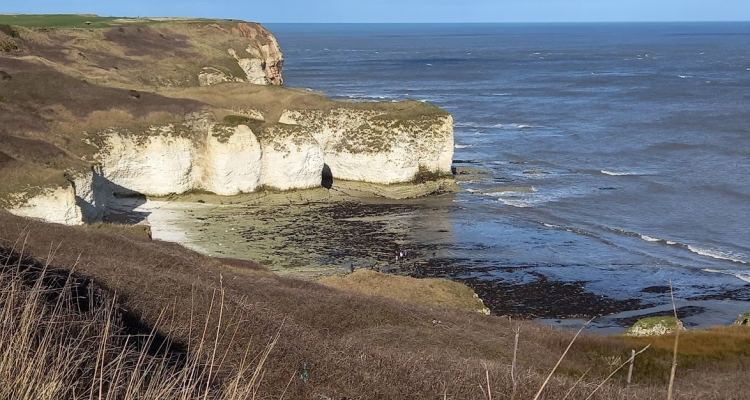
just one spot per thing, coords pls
(74, 134)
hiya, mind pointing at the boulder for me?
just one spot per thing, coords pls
(654, 326)
(743, 320)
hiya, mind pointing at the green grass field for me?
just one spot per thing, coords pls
(57, 20)
(77, 20)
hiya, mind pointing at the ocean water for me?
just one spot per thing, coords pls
(632, 142)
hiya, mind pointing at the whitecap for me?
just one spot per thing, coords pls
(513, 126)
(685, 76)
(616, 173)
(508, 94)
(719, 255)
(650, 239)
(515, 203)
(463, 146)
(429, 65)
(742, 275)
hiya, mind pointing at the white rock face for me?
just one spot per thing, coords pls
(200, 154)
(56, 206)
(93, 194)
(231, 167)
(292, 158)
(159, 166)
(211, 76)
(359, 147)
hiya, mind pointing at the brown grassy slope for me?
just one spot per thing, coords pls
(170, 53)
(355, 346)
(429, 292)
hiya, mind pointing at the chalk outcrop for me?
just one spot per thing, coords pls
(171, 106)
(203, 154)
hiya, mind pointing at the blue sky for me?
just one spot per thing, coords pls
(404, 10)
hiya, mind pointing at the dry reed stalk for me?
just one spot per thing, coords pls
(559, 361)
(615, 371)
(51, 349)
(489, 390)
(576, 384)
(513, 379)
(630, 375)
(670, 389)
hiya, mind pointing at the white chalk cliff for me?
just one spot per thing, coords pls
(152, 108)
(202, 154)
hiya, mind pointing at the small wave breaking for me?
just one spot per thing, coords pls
(620, 173)
(513, 126)
(742, 275)
(719, 255)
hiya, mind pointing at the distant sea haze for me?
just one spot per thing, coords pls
(633, 141)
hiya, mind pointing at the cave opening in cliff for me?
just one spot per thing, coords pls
(327, 177)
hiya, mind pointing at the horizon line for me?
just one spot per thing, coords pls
(387, 22)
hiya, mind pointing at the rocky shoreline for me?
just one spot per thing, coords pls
(316, 233)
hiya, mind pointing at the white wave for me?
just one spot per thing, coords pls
(650, 239)
(618, 173)
(719, 255)
(471, 125)
(742, 275)
(360, 96)
(513, 126)
(671, 243)
(515, 203)
(551, 225)
(685, 76)
(505, 94)
(463, 146)
(429, 65)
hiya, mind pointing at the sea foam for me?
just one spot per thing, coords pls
(719, 255)
(742, 275)
(618, 173)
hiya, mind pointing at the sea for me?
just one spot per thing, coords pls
(617, 154)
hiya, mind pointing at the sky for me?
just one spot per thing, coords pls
(358, 11)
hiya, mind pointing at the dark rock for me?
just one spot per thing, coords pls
(5, 76)
(135, 94)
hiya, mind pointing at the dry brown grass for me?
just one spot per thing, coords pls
(358, 346)
(62, 338)
(428, 292)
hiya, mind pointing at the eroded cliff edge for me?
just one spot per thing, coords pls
(180, 106)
